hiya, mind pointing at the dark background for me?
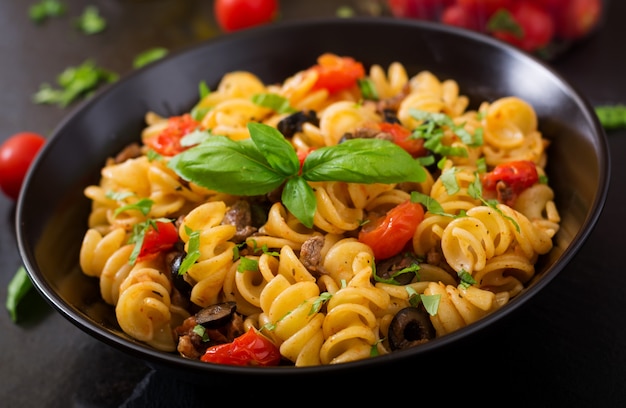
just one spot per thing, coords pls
(567, 345)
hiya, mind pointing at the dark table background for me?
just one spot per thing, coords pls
(567, 345)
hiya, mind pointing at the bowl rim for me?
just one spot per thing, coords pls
(170, 360)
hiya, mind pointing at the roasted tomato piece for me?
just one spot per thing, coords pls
(167, 143)
(337, 73)
(389, 234)
(162, 237)
(249, 349)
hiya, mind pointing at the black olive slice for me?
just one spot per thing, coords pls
(217, 315)
(410, 327)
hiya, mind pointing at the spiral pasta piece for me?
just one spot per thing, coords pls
(143, 312)
(459, 307)
(343, 117)
(216, 251)
(351, 324)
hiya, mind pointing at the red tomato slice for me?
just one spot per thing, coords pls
(337, 73)
(167, 143)
(157, 240)
(402, 137)
(518, 175)
(388, 235)
(249, 349)
(16, 155)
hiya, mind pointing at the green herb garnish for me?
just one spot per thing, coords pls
(41, 11)
(267, 160)
(91, 22)
(273, 101)
(19, 286)
(612, 116)
(74, 82)
(149, 56)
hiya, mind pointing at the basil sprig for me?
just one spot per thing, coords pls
(264, 162)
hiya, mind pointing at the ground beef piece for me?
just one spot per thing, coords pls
(311, 255)
(191, 344)
(240, 216)
(131, 151)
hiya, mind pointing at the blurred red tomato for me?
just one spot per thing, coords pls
(420, 9)
(459, 16)
(16, 156)
(535, 24)
(234, 15)
(578, 18)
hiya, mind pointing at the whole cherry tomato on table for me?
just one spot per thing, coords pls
(389, 234)
(249, 349)
(232, 15)
(16, 155)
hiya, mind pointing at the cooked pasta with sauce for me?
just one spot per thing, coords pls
(341, 214)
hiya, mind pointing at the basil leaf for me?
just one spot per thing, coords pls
(278, 152)
(363, 161)
(230, 167)
(299, 199)
(18, 287)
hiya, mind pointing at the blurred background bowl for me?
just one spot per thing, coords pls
(52, 211)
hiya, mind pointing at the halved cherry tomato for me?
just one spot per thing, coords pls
(402, 137)
(167, 143)
(163, 238)
(16, 155)
(249, 349)
(234, 15)
(388, 235)
(516, 175)
(337, 73)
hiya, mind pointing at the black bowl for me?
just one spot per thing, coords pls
(52, 210)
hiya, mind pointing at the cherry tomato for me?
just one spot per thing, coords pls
(249, 349)
(388, 235)
(419, 9)
(337, 73)
(232, 15)
(578, 18)
(518, 175)
(536, 24)
(167, 143)
(157, 240)
(16, 155)
(459, 16)
(402, 137)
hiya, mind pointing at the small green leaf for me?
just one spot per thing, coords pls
(273, 101)
(612, 116)
(91, 22)
(431, 303)
(247, 264)
(18, 287)
(193, 251)
(149, 56)
(45, 9)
